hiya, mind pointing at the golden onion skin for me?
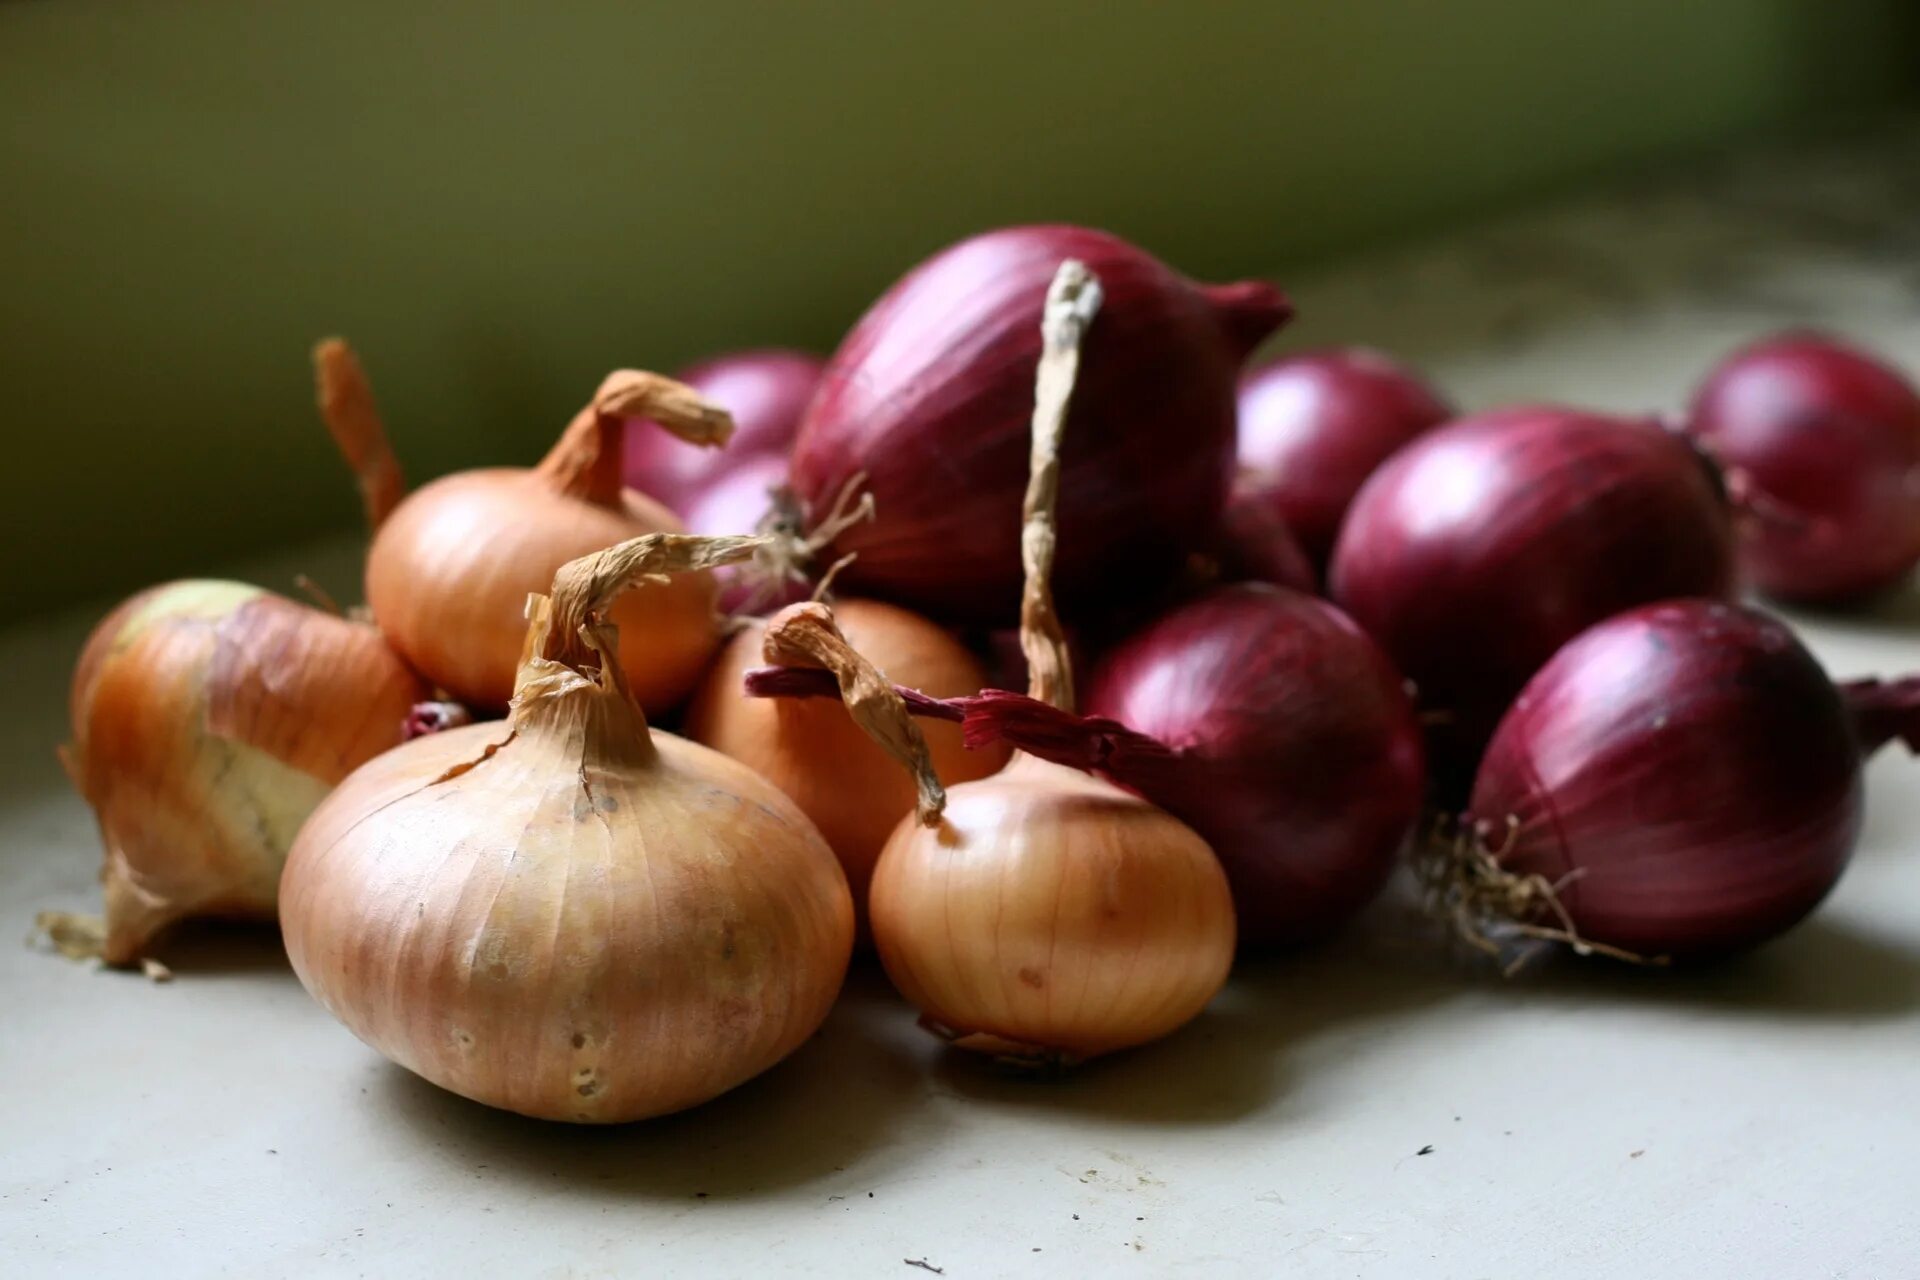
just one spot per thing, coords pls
(1052, 915)
(208, 719)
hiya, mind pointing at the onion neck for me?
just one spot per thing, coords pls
(353, 420)
(1248, 312)
(585, 462)
(1884, 711)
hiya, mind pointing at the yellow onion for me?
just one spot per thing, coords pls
(450, 570)
(566, 914)
(209, 718)
(815, 752)
(1050, 916)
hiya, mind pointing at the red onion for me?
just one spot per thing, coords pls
(1683, 777)
(766, 391)
(737, 502)
(1483, 546)
(1830, 436)
(925, 407)
(1261, 717)
(1316, 425)
(1255, 543)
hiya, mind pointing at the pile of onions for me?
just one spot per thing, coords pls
(924, 409)
(1483, 546)
(1049, 916)
(567, 914)
(1827, 438)
(209, 718)
(1314, 426)
(816, 753)
(1680, 780)
(765, 392)
(450, 569)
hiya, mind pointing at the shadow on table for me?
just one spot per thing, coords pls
(836, 1102)
(206, 948)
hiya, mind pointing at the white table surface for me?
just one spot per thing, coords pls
(1757, 1119)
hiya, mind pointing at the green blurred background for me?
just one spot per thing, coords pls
(497, 203)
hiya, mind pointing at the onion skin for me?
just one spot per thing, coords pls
(567, 915)
(1692, 763)
(926, 403)
(1317, 424)
(765, 390)
(1298, 755)
(1051, 914)
(209, 718)
(1831, 436)
(449, 573)
(1483, 546)
(815, 752)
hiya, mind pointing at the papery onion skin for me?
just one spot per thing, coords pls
(1298, 757)
(1483, 546)
(1685, 773)
(567, 915)
(766, 390)
(1051, 914)
(208, 719)
(449, 573)
(1830, 436)
(814, 752)
(926, 403)
(1317, 424)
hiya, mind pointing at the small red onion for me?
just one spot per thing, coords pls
(1256, 543)
(1483, 546)
(736, 503)
(1319, 423)
(766, 391)
(1830, 437)
(925, 407)
(1684, 775)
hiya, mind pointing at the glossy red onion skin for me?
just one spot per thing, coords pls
(1319, 423)
(735, 503)
(1831, 435)
(1696, 767)
(931, 395)
(1256, 544)
(1483, 546)
(1299, 756)
(765, 390)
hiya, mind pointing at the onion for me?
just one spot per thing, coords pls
(1680, 780)
(818, 755)
(566, 914)
(449, 571)
(1049, 916)
(748, 498)
(766, 391)
(1828, 439)
(924, 408)
(1316, 425)
(209, 718)
(1482, 547)
(1256, 544)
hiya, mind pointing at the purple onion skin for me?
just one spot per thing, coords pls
(1483, 546)
(930, 398)
(1299, 756)
(1256, 544)
(1831, 435)
(734, 503)
(1316, 425)
(766, 391)
(1695, 766)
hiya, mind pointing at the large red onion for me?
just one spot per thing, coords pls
(766, 391)
(1829, 438)
(1319, 423)
(1684, 776)
(1483, 546)
(1261, 717)
(926, 404)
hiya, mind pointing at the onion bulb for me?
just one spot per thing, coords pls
(209, 718)
(924, 410)
(816, 753)
(1680, 780)
(1050, 916)
(765, 392)
(451, 568)
(566, 914)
